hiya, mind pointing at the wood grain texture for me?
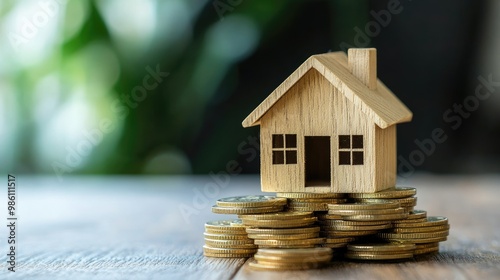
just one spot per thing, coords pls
(138, 228)
(363, 64)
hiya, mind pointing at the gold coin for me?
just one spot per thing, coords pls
(317, 200)
(334, 245)
(427, 250)
(284, 236)
(396, 192)
(252, 210)
(427, 245)
(419, 240)
(238, 224)
(389, 217)
(306, 205)
(310, 195)
(339, 240)
(251, 201)
(421, 229)
(408, 221)
(351, 223)
(227, 243)
(349, 212)
(381, 247)
(404, 202)
(280, 223)
(429, 222)
(303, 209)
(287, 247)
(271, 242)
(223, 225)
(413, 235)
(278, 216)
(354, 228)
(239, 246)
(335, 233)
(328, 217)
(294, 252)
(417, 214)
(225, 236)
(364, 206)
(215, 250)
(248, 255)
(230, 231)
(280, 231)
(372, 256)
(292, 259)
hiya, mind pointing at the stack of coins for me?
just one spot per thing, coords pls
(312, 201)
(378, 252)
(251, 204)
(404, 195)
(225, 239)
(424, 231)
(291, 259)
(360, 219)
(282, 229)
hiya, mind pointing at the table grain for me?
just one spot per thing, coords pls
(152, 228)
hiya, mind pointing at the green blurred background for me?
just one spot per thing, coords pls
(77, 93)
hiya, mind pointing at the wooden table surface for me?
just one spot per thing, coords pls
(152, 228)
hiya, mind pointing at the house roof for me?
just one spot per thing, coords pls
(380, 105)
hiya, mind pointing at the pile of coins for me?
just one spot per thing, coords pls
(312, 201)
(283, 229)
(227, 239)
(251, 204)
(405, 196)
(291, 259)
(425, 232)
(380, 251)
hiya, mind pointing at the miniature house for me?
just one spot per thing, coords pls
(330, 127)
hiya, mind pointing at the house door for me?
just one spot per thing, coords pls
(317, 165)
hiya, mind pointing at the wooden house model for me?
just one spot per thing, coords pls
(330, 127)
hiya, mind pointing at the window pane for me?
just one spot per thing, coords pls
(357, 141)
(278, 141)
(357, 158)
(291, 140)
(278, 157)
(344, 142)
(344, 158)
(291, 157)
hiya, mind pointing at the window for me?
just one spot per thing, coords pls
(284, 149)
(350, 149)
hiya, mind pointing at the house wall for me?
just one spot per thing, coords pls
(313, 107)
(386, 153)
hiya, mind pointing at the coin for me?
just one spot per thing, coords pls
(427, 245)
(419, 240)
(382, 247)
(351, 223)
(396, 192)
(354, 228)
(271, 242)
(284, 236)
(276, 266)
(335, 233)
(251, 230)
(347, 212)
(413, 235)
(237, 246)
(225, 236)
(227, 243)
(251, 201)
(428, 222)
(214, 250)
(302, 246)
(334, 245)
(317, 200)
(310, 195)
(421, 229)
(247, 255)
(417, 214)
(221, 225)
(364, 206)
(292, 258)
(252, 210)
(280, 223)
(339, 240)
(294, 252)
(307, 205)
(328, 217)
(389, 217)
(408, 221)
(371, 256)
(278, 216)
(406, 202)
(426, 250)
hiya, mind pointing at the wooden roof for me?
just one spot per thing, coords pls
(380, 105)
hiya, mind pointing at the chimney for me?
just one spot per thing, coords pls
(363, 65)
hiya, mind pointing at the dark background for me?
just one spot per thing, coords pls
(223, 58)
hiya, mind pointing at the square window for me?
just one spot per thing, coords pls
(291, 140)
(278, 157)
(278, 141)
(344, 142)
(357, 158)
(344, 158)
(291, 157)
(357, 141)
